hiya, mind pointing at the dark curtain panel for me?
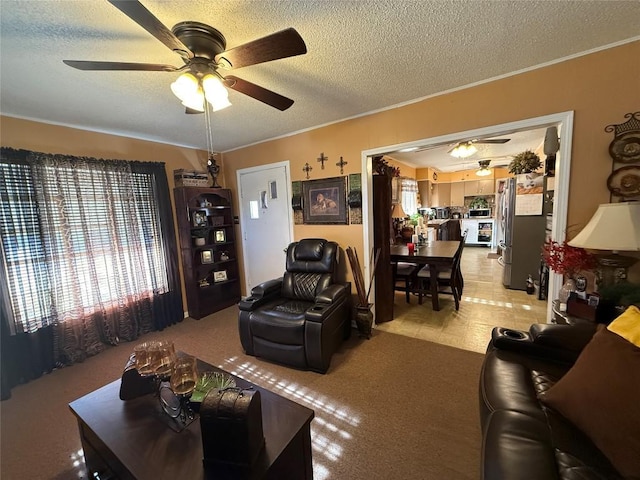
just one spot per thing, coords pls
(89, 256)
(168, 308)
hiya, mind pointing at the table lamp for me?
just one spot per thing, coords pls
(616, 227)
(397, 214)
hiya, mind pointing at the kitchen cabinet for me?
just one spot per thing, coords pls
(457, 194)
(442, 198)
(424, 188)
(479, 232)
(486, 187)
(210, 265)
(478, 187)
(471, 226)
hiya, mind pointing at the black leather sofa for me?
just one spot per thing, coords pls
(301, 318)
(522, 437)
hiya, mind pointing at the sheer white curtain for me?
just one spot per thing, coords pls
(409, 195)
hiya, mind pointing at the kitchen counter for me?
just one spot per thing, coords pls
(437, 223)
(447, 228)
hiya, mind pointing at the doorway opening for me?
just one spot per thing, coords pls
(564, 122)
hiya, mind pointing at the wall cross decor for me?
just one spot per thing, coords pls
(322, 159)
(306, 169)
(341, 164)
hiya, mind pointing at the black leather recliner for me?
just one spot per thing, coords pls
(299, 319)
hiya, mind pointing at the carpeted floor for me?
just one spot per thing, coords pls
(391, 407)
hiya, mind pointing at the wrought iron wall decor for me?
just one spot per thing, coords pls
(624, 149)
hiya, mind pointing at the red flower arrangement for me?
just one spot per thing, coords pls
(567, 260)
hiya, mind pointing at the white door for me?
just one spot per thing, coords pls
(266, 221)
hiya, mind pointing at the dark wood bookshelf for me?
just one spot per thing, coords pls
(211, 281)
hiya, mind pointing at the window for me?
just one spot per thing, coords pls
(78, 237)
(409, 195)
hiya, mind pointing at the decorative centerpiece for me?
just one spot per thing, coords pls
(525, 162)
(568, 261)
(209, 381)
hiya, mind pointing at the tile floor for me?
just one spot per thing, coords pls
(485, 304)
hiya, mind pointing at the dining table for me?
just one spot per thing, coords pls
(438, 255)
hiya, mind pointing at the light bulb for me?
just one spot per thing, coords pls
(215, 92)
(185, 86)
(195, 101)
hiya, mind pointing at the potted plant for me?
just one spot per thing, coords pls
(525, 162)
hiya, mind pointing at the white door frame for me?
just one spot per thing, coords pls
(243, 220)
(561, 194)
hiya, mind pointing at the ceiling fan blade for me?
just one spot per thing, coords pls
(259, 93)
(148, 67)
(143, 17)
(282, 44)
(493, 140)
(191, 111)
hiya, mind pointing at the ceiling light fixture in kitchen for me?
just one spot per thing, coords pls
(484, 168)
(463, 150)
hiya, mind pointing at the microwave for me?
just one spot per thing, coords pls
(480, 213)
(442, 212)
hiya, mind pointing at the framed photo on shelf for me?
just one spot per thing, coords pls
(199, 219)
(220, 276)
(325, 201)
(206, 256)
(220, 236)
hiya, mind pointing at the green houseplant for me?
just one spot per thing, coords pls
(525, 162)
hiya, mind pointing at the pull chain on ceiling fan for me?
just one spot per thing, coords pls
(203, 50)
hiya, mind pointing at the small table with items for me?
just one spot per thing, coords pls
(564, 318)
(126, 439)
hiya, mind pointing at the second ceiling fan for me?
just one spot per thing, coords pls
(203, 51)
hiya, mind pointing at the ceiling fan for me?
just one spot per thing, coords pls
(203, 51)
(465, 148)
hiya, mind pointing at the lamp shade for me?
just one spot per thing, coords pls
(614, 226)
(215, 93)
(397, 211)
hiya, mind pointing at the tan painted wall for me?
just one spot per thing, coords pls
(600, 88)
(40, 137)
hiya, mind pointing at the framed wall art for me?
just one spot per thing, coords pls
(324, 201)
(199, 219)
(206, 256)
(220, 236)
(220, 276)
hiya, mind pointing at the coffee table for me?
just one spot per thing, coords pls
(127, 440)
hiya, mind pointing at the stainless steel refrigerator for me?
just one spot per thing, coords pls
(522, 240)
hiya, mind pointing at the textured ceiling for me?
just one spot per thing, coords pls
(362, 56)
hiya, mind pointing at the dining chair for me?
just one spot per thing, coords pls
(448, 277)
(406, 273)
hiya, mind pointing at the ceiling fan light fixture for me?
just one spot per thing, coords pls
(463, 150)
(215, 92)
(484, 170)
(195, 101)
(185, 86)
